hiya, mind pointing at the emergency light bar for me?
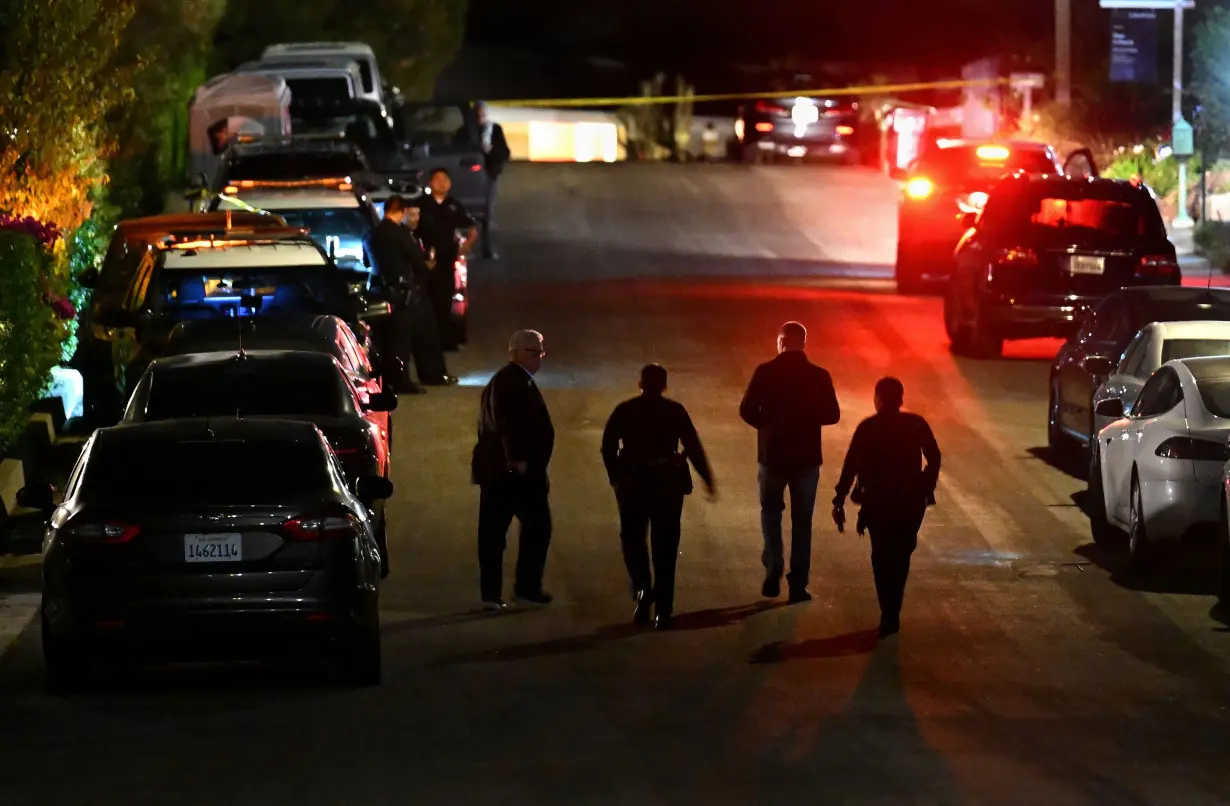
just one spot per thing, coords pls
(246, 237)
(992, 153)
(341, 183)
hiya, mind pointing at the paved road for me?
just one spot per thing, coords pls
(1029, 670)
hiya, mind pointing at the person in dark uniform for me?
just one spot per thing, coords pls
(651, 478)
(400, 262)
(515, 441)
(497, 153)
(788, 401)
(895, 461)
(442, 217)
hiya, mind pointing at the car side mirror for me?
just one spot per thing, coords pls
(373, 488)
(1112, 408)
(1098, 365)
(88, 278)
(375, 310)
(968, 220)
(37, 496)
(381, 401)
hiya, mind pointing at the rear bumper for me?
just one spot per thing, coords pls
(1173, 509)
(834, 147)
(1026, 318)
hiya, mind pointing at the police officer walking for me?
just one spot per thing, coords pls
(651, 478)
(443, 216)
(886, 460)
(403, 269)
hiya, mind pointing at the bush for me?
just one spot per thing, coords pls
(1160, 175)
(1212, 240)
(32, 318)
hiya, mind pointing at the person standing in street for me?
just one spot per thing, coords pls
(788, 401)
(895, 461)
(399, 260)
(442, 218)
(515, 442)
(495, 147)
(651, 478)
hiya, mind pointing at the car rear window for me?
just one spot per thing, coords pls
(1069, 209)
(1173, 311)
(1215, 394)
(319, 89)
(295, 165)
(249, 471)
(221, 292)
(253, 388)
(1193, 348)
(351, 222)
(964, 162)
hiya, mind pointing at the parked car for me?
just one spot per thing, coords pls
(950, 179)
(1107, 330)
(187, 538)
(1156, 471)
(802, 128)
(1045, 249)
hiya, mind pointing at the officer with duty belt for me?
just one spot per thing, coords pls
(403, 268)
(651, 478)
(442, 217)
(884, 458)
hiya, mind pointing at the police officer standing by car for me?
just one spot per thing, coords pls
(886, 459)
(402, 266)
(651, 478)
(442, 217)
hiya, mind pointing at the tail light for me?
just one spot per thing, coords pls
(845, 131)
(1199, 450)
(109, 533)
(1157, 267)
(919, 188)
(764, 127)
(1016, 256)
(323, 526)
(767, 108)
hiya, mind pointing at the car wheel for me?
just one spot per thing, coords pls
(1099, 525)
(983, 341)
(1223, 586)
(1140, 553)
(361, 662)
(62, 659)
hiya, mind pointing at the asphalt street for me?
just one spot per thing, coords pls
(1031, 669)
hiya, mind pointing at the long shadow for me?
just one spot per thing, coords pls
(851, 643)
(1070, 462)
(1192, 571)
(698, 620)
(464, 617)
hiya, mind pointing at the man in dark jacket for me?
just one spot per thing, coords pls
(515, 441)
(788, 401)
(651, 478)
(885, 456)
(442, 217)
(495, 147)
(402, 267)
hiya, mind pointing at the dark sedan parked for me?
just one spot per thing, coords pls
(1043, 250)
(185, 538)
(1088, 357)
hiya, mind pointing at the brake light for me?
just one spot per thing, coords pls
(1016, 256)
(992, 153)
(769, 109)
(476, 167)
(919, 188)
(764, 127)
(845, 131)
(1199, 450)
(230, 190)
(110, 533)
(322, 526)
(1157, 267)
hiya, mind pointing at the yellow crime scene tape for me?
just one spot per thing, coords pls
(867, 89)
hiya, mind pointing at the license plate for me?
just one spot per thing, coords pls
(1086, 264)
(213, 548)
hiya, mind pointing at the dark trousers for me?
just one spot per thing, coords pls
(442, 289)
(526, 499)
(802, 485)
(411, 330)
(651, 515)
(487, 242)
(894, 536)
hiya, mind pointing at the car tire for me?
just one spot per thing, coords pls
(361, 661)
(1099, 525)
(1141, 553)
(62, 660)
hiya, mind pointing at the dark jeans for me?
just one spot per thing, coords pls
(487, 243)
(894, 536)
(802, 486)
(526, 499)
(411, 330)
(647, 513)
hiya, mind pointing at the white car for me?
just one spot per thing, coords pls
(1154, 345)
(1156, 472)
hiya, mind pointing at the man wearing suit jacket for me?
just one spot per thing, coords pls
(515, 441)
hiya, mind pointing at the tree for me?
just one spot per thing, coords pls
(413, 39)
(1211, 78)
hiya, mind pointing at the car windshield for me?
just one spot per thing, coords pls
(251, 471)
(196, 294)
(1193, 348)
(320, 89)
(255, 388)
(442, 129)
(291, 165)
(964, 163)
(1215, 393)
(351, 222)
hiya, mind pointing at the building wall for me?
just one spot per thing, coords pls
(561, 135)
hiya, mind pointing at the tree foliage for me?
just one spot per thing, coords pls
(1211, 78)
(58, 82)
(413, 39)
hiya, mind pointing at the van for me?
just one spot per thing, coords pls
(371, 81)
(321, 79)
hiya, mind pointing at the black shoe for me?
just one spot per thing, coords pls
(644, 603)
(772, 587)
(664, 622)
(888, 628)
(495, 604)
(535, 599)
(798, 595)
